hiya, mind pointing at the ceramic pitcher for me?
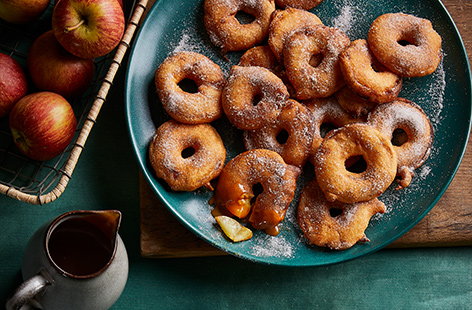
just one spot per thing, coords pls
(77, 261)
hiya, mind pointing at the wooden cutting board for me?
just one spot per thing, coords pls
(448, 224)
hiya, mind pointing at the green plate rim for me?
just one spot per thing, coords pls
(288, 263)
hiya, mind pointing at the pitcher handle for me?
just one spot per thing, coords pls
(27, 291)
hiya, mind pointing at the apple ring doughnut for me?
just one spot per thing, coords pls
(299, 4)
(290, 135)
(327, 114)
(365, 76)
(253, 97)
(187, 156)
(202, 106)
(354, 104)
(240, 177)
(284, 22)
(260, 56)
(414, 145)
(342, 146)
(224, 29)
(405, 44)
(323, 79)
(334, 225)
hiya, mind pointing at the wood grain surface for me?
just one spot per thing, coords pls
(448, 224)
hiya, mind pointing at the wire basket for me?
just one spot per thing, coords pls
(38, 182)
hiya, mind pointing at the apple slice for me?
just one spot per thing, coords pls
(233, 229)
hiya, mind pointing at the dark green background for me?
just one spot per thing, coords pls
(107, 177)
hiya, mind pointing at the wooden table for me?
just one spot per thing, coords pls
(448, 224)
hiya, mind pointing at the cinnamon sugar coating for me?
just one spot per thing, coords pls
(320, 80)
(340, 147)
(405, 44)
(335, 225)
(187, 172)
(224, 29)
(190, 108)
(366, 76)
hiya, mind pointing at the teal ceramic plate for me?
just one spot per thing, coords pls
(445, 96)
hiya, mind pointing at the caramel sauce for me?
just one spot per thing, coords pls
(273, 231)
(80, 247)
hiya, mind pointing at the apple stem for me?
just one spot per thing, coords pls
(71, 28)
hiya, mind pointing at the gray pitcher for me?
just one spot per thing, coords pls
(77, 261)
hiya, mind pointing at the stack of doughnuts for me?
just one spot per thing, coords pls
(309, 95)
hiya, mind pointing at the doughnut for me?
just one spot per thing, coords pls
(202, 106)
(249, 170)
(260, 56)
(347, 144)
(186, 156)
(284, 22)
(405, 44)
(290, 135)
(327, 114)
(224, 29)
(354, 104)
(365, 76)
(253, 97)
(413, 148)
(299, 4)
(334, 225)
(315, 80)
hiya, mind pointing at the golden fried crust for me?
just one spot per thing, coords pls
(299, 4)
(189, 173)
(406, 115)
(338, 232)
(224, 29)
(357, 65)
(327, 111)
(235, 187)
(354, 104)
(253, 97)
(190, 108)
(340, 146)
(318, 81)
(284, 22)
(295, 119)
(260, 56)
(405, 44)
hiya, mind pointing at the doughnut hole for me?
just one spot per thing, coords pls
(335, 212)
(316, 59)
(256, 98)
(282, 136)
(257, 189)
(399, 137)
(188, 85)
(244, 18)
(188, 152)
(408, 38)
(356, 164)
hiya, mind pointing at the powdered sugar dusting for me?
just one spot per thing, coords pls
(347, 18)
(189, 43)
(268, 246)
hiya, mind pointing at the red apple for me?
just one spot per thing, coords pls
(52, 68)
(42, 125)
(13, 84)
(21, 11)
(88, 28)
